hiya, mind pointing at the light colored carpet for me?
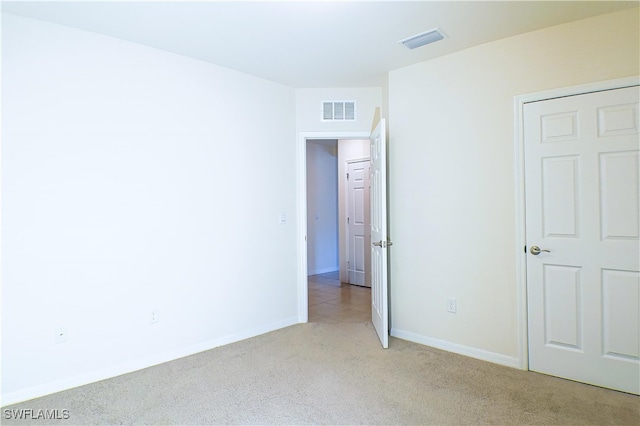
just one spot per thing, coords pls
(336, 374)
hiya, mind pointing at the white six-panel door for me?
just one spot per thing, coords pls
(379, 240)
(358, 222)
(582, 205)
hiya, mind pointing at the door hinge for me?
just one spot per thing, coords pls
(347, 176)
(525, 248)
(347, 221)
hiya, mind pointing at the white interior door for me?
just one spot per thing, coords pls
(582, 205)
(379, 240)
(358, 222)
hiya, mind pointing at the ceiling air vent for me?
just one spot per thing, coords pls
(423, 38)
(338, 111)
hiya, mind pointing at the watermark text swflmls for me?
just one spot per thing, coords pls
(39, 414)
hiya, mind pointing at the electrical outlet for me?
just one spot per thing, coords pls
(452, 305)
(60, 335)
(154, 316)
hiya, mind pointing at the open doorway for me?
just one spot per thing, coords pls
(322, 206)
(337, 230)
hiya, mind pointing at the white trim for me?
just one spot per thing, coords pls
(301, 195)
(128, 367)
(323, 270)
(357, 160)
(521, 257)
(521, 241)
(580, 89)
(481, 354)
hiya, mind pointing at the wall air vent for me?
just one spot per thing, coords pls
(423, 38)
(338, 111)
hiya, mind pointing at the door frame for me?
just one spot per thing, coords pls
(521, 256)
(301, 210)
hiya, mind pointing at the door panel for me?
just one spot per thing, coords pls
(379, 237)
(620, 294)
(582, 198)
(618, 193)
(559, 193)
(562, 306)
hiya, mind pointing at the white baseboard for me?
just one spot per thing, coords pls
(481, 354)
(323, 270)
(129, 367)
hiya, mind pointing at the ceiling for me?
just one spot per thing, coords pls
(310, 43)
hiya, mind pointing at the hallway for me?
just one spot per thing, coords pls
(332, 301)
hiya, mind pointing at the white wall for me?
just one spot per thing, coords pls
(451, 172)
(322, 207)
(349, 150)
(136, 179)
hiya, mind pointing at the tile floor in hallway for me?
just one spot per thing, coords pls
(333, 301)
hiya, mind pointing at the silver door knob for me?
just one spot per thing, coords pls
(535, 250)
(383, 244)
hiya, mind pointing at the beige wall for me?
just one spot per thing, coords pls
(451, 172)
